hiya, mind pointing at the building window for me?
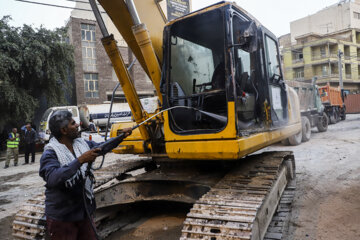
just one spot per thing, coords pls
(324, 70)
(298, 56)
(298, 73)
(322, 51)
(88, 45)
(356, 15)
(91, 85)
(348, 71)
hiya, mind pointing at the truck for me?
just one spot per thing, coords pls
(221, 96)
(333, 100)
(44, 131)
(312, 110)
(82, 114)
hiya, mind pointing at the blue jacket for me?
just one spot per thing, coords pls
(61, 203)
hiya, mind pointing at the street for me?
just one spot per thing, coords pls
(326, 204)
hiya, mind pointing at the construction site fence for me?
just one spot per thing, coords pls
(352, 103)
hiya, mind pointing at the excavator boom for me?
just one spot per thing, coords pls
(150, 13)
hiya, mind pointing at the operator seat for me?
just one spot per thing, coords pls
(216, 102)
(218, 77)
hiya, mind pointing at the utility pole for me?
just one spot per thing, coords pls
(340, 73)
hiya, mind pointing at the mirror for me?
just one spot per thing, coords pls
(245, 34)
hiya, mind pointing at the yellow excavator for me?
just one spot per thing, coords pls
(217, 70)
(221, 97)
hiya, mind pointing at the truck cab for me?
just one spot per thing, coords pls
(333, 100)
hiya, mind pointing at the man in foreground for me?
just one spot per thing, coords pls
(62, 166)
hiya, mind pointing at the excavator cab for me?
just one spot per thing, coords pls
(197, 75)
(216, 57)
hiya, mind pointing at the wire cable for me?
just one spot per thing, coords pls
(58, 6)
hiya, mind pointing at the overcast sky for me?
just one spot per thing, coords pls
(276, 15)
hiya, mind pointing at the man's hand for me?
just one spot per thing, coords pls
(89, 156)
(126, 131)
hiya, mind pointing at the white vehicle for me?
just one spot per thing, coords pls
(44, 131)
(99, 113)
(94, 136)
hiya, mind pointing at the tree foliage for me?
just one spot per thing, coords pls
(33, 63)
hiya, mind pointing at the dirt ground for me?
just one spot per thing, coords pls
(326, 204)
(327, 199)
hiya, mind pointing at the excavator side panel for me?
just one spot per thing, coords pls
(225, 145)
(228, 133)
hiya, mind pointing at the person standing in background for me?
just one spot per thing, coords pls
(30, 138)
(12, 147)
(92, 127)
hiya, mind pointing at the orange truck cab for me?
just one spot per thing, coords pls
(333, 102)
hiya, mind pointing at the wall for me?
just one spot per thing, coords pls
(89, 15)
(330, 19)
(352, 103)
(103, 63)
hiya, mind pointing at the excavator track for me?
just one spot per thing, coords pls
(30, 220)
(278, 227)
(241, 205)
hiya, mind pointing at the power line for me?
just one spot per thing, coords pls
(79, 1)
(58, 6)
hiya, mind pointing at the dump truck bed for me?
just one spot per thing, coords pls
(330, 95)
(306, 93)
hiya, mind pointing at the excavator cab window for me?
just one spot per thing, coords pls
(197, 74)
(277, 91)
(245, 50)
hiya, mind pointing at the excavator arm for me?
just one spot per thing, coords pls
(135, 27)
(149, 12)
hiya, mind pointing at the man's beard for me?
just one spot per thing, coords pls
(74, 135)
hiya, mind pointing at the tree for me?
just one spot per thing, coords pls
(33, 63)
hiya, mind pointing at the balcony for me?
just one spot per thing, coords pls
(328, 76)
(299, 79)
(298, 60)
(348, 76)
(323, 56)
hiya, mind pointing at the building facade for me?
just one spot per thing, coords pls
(94, 75)
(307, 54)
(340, 16)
